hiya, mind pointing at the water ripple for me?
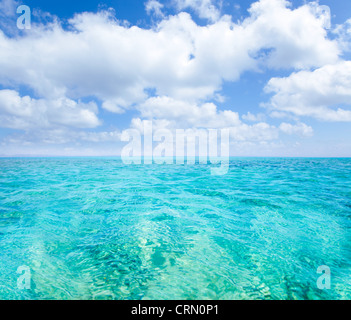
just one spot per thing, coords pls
(97, 229)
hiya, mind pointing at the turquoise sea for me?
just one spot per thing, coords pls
(94, 228)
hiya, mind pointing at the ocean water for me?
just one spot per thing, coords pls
(94, 228)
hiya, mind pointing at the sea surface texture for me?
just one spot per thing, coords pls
(94, 228)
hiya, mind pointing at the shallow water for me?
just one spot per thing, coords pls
(97, 229)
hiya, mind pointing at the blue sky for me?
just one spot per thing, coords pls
(275, 72)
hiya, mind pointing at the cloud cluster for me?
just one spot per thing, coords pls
(314, 93)
(154, 7)
(206, 9)
(186, 114)
(173, 72)
(99, 56)
(300, 128)
(26, 113)
(343, 33)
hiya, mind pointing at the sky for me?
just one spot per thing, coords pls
(276, 73)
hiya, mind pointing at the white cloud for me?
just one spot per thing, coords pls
(259, 132)
(343, 32)
(322, 93)
(154, 6)
(300, 129)
(103, 136)
(182, 63)
(98, 56)
(291, 38)
(254, 117)
(185, 114)
(172, 114)
(25, 113)
(207, 9)
(61, 136)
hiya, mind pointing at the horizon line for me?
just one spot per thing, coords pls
(196, 157)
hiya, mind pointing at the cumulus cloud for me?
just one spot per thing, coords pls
(172, 114)
(25, 113)
(300, 129)
(323, 93)
(259, 132)
(291, 38)
(172, 72)
(343, 33)
(99, 56)
(166, 113)
(259, 117)
(185, 114)
(155, 7)
(207, 9)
